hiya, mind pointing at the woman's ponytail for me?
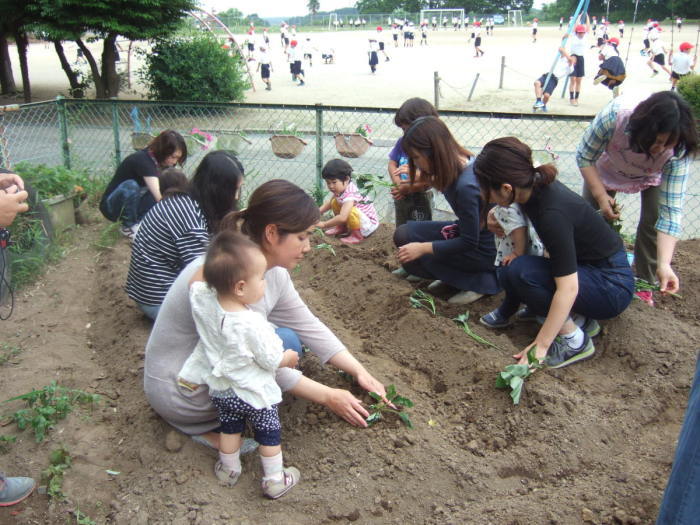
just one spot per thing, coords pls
(545, 175)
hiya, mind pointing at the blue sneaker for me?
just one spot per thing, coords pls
(495, 320)
(591, 327)
(561, 354)
(15, 490)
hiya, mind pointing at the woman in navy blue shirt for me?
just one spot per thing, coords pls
(458, 253)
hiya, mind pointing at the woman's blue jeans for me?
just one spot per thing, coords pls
(129, 202)
(605, 289)
(290, 339)
(681, 503)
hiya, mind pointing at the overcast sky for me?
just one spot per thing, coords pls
(266, 8)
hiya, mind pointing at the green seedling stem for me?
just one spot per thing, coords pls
(325, 246)
(513, 376)
(420, 299)
(640, 285)
(463, 321)
(382, 407)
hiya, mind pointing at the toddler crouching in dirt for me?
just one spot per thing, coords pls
(237, 357)
(352, 213)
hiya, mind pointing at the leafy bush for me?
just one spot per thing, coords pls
(193, 69)
(689, 89)
(50, 181)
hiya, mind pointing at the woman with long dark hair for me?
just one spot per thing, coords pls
(177, 229)
(457, 253)
(585, 278)
(280, 218)
(134, 188)
(643, 147)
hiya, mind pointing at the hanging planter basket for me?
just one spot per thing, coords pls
(351, 145)
(287, 146)
(140, 140)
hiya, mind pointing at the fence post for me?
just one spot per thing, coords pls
(115, 130)
(319, 143)
(476, 78)
(503, 66)
(63, 128)
(436, 90)
(563, 89)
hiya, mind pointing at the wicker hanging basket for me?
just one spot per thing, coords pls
(287, 146)
(351, 145)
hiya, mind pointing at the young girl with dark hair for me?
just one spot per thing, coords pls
(586, 277)
(280, 219)
(643, 147)
(457, 253)
(134, 189)
(177, 229)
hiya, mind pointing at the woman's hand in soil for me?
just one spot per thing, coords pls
(412, 251)
(668, 280)
(540, 353)
(347, 406)
(369, 383)
(493, 225)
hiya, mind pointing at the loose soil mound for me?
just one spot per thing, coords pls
(593, 442)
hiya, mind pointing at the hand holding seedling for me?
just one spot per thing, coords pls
(513, 376)
(290, 359)
(540, 352)
(388, 404)
(608, 207)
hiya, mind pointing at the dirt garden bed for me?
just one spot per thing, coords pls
(594, 442)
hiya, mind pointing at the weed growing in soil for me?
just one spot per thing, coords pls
(463, 320)
(420, 299)
(5, 443)
(640, 285)
(81, 518)
(382, 406)
(7, 352)
(47, 406)
(52, 477)
(109, 235)
(513, 376)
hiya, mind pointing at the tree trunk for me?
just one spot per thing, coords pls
(96, 77)
(7, 79)
(76, 87)
(110, 78)
(22, 45)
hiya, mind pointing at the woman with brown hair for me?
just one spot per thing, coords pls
(457, 253)
(280, 218)
(586, 277)
(134, 189)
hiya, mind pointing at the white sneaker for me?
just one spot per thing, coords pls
(599, 79)
(465, 297)
(435, 285)
(127, 231)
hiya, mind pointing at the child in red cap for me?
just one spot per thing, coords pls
(681, 63)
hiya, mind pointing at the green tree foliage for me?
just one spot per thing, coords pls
(313, 6)
(193, 69)
(689, 89)
(107, 20)
(624, 9)
(414, 6)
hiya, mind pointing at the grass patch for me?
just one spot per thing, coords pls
(8, 352)
(109, 235)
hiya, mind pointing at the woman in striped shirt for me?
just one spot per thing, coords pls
(177, 229)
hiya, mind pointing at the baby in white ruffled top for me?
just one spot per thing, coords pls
(237, 356)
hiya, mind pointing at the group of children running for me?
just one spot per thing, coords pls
(611, 70)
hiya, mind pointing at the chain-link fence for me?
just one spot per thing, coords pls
(97, 135)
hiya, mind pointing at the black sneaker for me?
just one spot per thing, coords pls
(561, 354)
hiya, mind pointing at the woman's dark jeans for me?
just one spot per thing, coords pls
(605, 289)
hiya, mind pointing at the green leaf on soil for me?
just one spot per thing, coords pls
(403, 401)
(375, 396)
(406, 419)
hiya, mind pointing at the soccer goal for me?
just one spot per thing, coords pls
(440, 15)
(333, 21)
(515, 18)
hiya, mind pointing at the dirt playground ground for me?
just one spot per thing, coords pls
(410, 71)
(592, 443)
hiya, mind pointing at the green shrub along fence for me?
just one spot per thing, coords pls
(98, 134)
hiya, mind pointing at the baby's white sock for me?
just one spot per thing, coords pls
(272, 467)
(231, 461)
(575, 338)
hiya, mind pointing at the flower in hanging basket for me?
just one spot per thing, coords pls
(365, 130)
(204, 139)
